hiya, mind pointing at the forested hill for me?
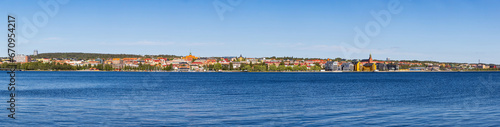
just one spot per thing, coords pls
(95, 55)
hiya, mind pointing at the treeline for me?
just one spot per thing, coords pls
(56, 66)
(40, 66)
(261, 67)
(64, 66)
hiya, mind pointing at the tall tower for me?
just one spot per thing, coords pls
(370, 60)
(35, 52)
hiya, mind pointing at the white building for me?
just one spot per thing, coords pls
(21, 58)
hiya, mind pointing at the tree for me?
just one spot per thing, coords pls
(247, 67)
(281, 68)
(273, 68)
(338, 59)
(296, 68)
(262, 68)
(316, 68)
(217, 67)
(303, 68)
(108, 67)
(317, 64)
(231, 66)
(242, 66)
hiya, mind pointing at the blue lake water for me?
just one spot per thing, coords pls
(253, 99)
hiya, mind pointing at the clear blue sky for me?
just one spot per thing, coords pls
(451, 30)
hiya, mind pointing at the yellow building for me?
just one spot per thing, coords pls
(240, 58)
(190, 57)
(357, 66)
(370, 67)
(366, 65)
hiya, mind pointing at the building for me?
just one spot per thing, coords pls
(369, 67)
(392, 67)
(190, 57)
(35, 52)
(241, 58)
(382, 67)
(116, 63)
(433, 68)
(417, 68)
(332, 66)
(20, 58)
(483, 66)
(347, 67)
(365, 65)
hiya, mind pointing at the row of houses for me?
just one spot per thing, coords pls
(359, 66)
(193, 63)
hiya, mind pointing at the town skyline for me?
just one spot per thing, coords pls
(192, 63)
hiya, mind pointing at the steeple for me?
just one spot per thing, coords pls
(370, 60)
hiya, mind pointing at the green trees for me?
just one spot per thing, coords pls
(64, 66)
(317, 64)
(42, 66)
(217, 67)
(281, 68)
(108, 67)
(303, 68)
(242, 66)
(273, 68)
(259, 68)
(296, 68)
(316, 68)
(247, 67)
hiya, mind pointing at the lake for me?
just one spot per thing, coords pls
(253, 99)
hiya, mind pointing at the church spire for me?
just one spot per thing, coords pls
(370, 60)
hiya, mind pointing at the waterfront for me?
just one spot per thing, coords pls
(266, 99)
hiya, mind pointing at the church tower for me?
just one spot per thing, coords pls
(370, 60)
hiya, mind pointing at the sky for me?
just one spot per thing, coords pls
(438, 30)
